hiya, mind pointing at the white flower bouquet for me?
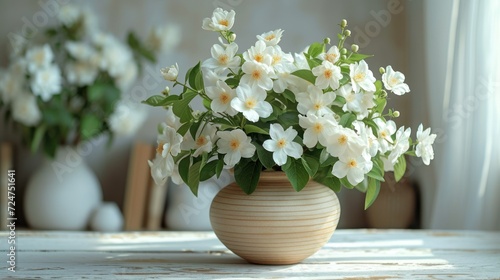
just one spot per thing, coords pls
(319, 114)
(65, 85)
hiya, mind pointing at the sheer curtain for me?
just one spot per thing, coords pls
(467, 194)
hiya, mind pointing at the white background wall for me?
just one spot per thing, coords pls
(379, 26)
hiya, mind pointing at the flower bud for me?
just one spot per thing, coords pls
(354, 48)
(343, 51)
(326, 41)
(343, 23)
(170, 73)
(395, 114)
(384, 94)
(166, 91)
(381, 70)
(343, 57)
(347, 32)
(232, 37)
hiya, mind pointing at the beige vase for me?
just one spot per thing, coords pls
(275, 224)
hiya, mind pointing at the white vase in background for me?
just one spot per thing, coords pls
(107, 218)
(63, 193)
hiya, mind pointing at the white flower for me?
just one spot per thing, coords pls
(281, 61)
(80, 50)
(281, 144)
(385, 131)
(259, 53)
(126, 119)
(46, 82)
(401, 144)
(39, 58)
(394, 81)
(80, 73)
(172, 120)
(235, 144)
(361, 77)
(125, 79)
(344, 142)
(356, 102)
(282, 81)
(317, 129)
(301, 61)
(424, 147)
(164, 38)
(256, 75)
(332, 55)
(169, 146)
(314, 101)
(25, 109)
(10, 85)
(221, 20)
(251, 102)
(170, 73)
(68, 15)
(221, 96)
(271, 38)
(210, 78)
(369, 139)
(354, 168)
(327, 75)
(115, 57)
(205, 137)
(223, 58)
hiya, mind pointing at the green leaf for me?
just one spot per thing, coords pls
(377, 171)
(311, 164)
(347, 119)
(288, 119)
(181, 107)
(250, 128)
(90, 126)
(220, 166)
(296, 173)
(380, 104)
(332, 182)
(371, 192)
(346, 183)
(289, 95)
(184, 128)
(400, 168)
(194, 129)
(196, 77)
(313, 62)
(306, 75)
(194, 177)
(325, 159)
(101, 91)
(247, 174)
(160, 100)
(139, 49)
(316, 49)
(355, 57)
(209, 170)
(265, 157)
(184, 168)
(37, 138)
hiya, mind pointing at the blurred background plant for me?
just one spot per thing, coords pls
(66, 84)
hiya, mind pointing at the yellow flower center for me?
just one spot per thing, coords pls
(224, 98)
(393, 81)
(317, 106)
(39, 57)
(234, 144)
(352, 163)
(383, 134)
(328, 73)
(342, 139)
(331, 57)
(281, 143)
(270, 37)
(259, 57)
(359, 77)
(223, 58)
(318, 127)
(250, 103)
(276, 59)
(159, 149)
(256, 75)
(200, 141)
(224, 22)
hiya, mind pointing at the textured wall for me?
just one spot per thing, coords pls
(378, 26)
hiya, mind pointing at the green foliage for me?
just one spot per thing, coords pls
(247, 174)
(296, 173)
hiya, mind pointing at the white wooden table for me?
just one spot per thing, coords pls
(350, 254)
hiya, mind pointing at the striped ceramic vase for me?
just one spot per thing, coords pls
(275, 224)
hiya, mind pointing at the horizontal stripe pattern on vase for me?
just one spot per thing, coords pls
(275, 224)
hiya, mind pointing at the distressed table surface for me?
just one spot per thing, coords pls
(350, 254)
